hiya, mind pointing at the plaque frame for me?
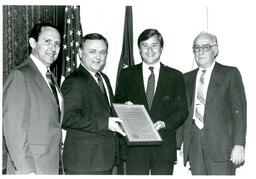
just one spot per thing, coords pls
(135, 133)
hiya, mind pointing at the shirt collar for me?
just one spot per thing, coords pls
(91, 72)
(155, 65)
(41, 67)
(209, 69)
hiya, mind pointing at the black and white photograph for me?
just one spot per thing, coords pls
(67, 66)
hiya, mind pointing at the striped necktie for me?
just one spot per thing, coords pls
(200, 106)
(150, 88)
(53, 86)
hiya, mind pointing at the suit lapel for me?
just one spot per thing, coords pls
(139, 84)
(61, 102)
(42, 85)
(191, 87)
(40, 81)
(108, 87)
(95, 87)
(214, 83)
(160, 87)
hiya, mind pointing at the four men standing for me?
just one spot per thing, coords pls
(213, 135)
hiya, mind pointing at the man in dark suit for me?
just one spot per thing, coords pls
(214, 133)
(161, 90)
(89, 146)
(32, 108)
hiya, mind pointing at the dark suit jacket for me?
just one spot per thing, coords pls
(169, 104)
(31, 125)
(89, 145)
(225, 112)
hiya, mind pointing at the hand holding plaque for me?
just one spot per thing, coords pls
(137, 125)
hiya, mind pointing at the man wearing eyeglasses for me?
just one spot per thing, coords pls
(214, 133)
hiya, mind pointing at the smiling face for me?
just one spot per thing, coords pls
(47, 48)
(93, 54)
(150, 50)
(205, 58)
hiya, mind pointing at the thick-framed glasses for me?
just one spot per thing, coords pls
(204, 48)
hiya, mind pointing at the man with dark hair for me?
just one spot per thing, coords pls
(161, 90)
(89, 146)
(214, 134)
(32, 108)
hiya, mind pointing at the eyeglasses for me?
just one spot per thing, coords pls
(204, 48)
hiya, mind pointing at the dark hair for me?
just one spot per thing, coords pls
(146, 34)
(93, 36)
(35, 32)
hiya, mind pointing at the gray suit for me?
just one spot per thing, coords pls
(31, 122)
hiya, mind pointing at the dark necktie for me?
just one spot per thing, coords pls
(101, 85)
(201, 99)
(53, 87)
(150, 87)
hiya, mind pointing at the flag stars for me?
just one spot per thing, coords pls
(64, 46)
(66, 9)
(79, 33)
(68, 69)
(68, 20)
(71, 32)
(71, 44)
(67, 58)
(77, 44)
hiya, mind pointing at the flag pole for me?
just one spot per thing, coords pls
(207, 20)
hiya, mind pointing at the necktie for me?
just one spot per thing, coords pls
(150, 87)
(199, 110)
(53, 87)
(101, 85)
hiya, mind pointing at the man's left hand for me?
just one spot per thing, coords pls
(237, 155)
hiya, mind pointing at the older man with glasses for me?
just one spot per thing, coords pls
(215, 131)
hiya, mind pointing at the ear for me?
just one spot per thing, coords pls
(32, 42)
(162, 49)
(216, 50)
(80, 53)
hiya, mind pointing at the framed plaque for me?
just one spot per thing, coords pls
(137, 125)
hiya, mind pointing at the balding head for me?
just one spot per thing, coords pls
(207, 36)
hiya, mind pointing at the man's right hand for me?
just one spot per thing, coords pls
(114, 124)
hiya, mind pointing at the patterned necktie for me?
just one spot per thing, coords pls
(150, 87)
(199, 111)
(53, 87)
(101, 85)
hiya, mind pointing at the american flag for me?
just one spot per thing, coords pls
(71, 40)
